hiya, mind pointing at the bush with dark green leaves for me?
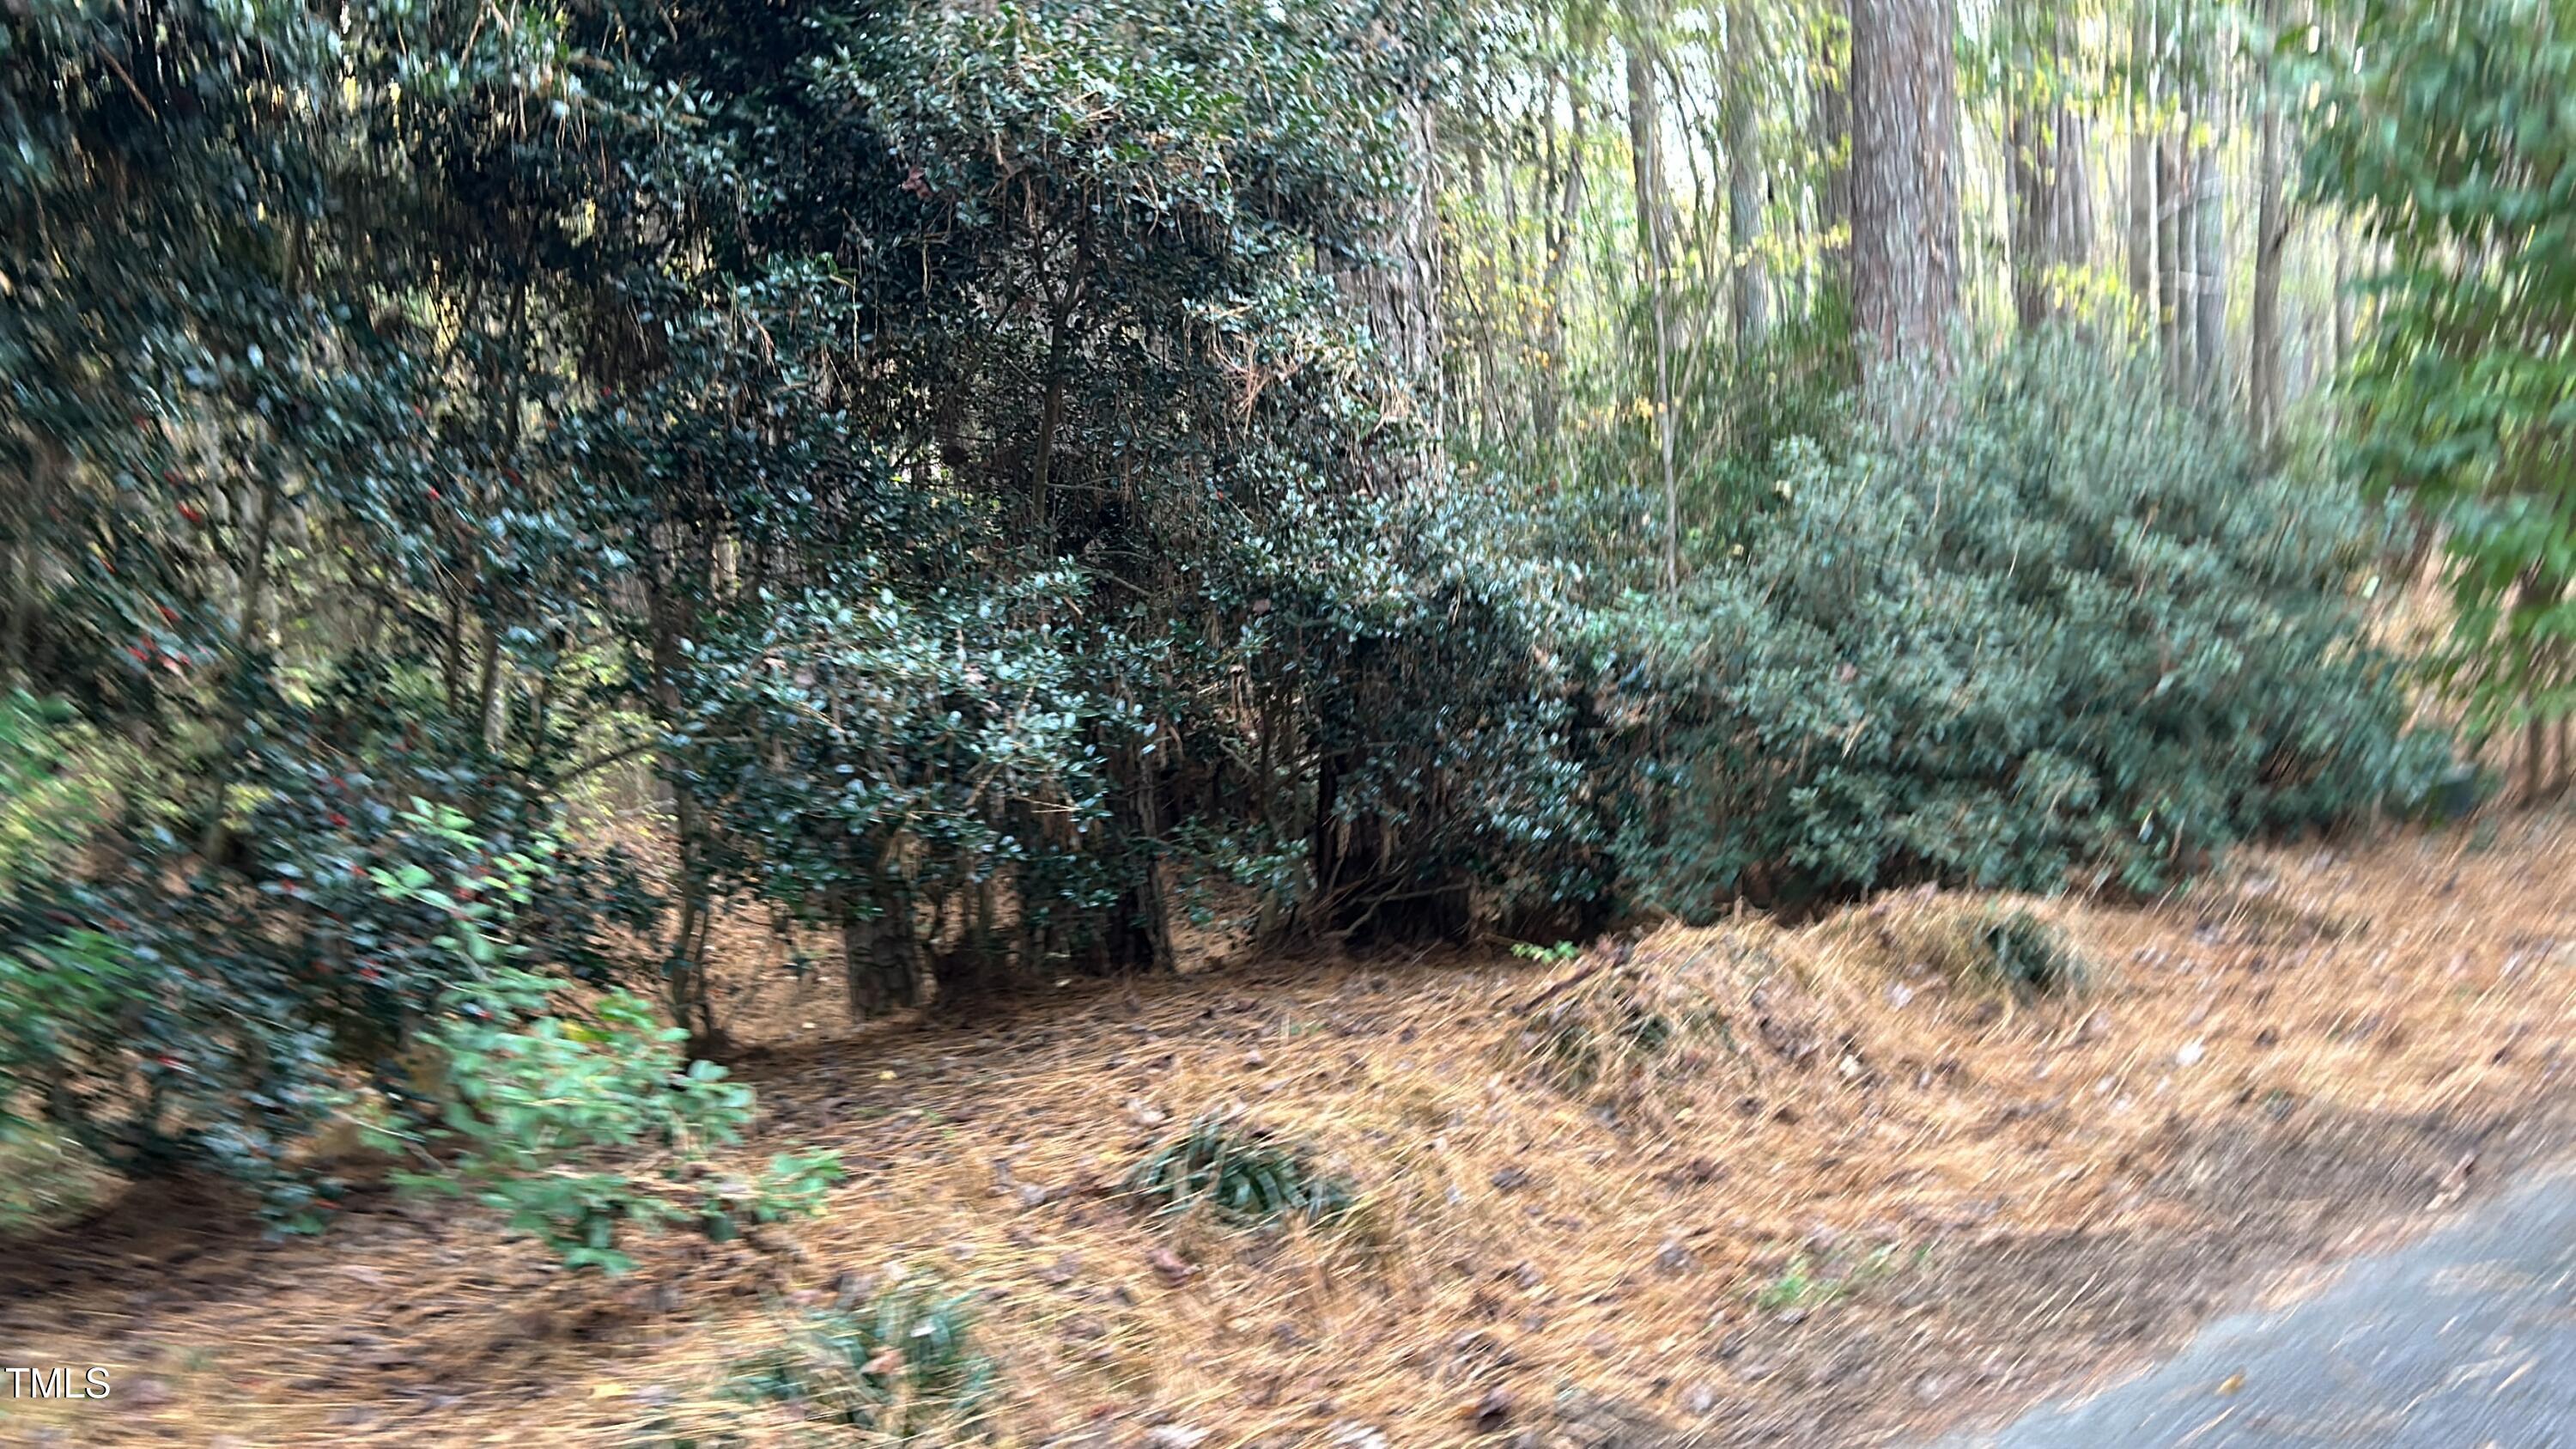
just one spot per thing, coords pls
(546, 389)
(2047, 630)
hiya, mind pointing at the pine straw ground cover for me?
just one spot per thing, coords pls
(1842, 1198)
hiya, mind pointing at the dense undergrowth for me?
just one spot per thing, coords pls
(961, 467)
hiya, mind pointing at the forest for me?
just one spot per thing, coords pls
(547, 549)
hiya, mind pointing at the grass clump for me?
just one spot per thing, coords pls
(1623, 1030)
(1808, 1283)
(1240, 1172)
(46, 1180)
(2007, 950)
(906, 1368)
(1623, 1036)
(2026, 957)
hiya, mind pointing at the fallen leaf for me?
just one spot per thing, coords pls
(1168, 1263)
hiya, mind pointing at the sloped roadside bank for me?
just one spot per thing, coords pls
(1988, 1202)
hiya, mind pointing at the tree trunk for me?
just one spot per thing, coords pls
(2271, 233)
(1744, 176)
(684, 966)
(1490, 410)
(2142, 163)
(46, 467)
(2209, 268)
(1400, 297)
(2172, 298)
(2031, 126)
(2343, 304)
(2033, 215)
(246, 632)
(2071, 222)
(1832, 121)
(1560, 247)
(1905, 187)
(880, 961)
(1654, 252)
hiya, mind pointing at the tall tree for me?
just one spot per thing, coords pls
(2209, 265)
(2142, 161)
(2051, 210)
(2178, 198)
(1655, 257)
(1905, 185)
(1830, 118)
(2173, 266)
(1399, 288)
(1560, 237)
(1744, 173)
(2263, 391)
(2071, 218)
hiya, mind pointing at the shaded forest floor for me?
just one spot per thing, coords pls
(1872, 1202)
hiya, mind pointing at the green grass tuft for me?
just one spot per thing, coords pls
(1239, 1172)
(2028, 957)
(903, 1369)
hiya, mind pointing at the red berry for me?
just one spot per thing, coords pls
(169, 615)
(139, 653)
(339, 820)
(191, 513)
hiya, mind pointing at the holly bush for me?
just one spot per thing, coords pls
(872, 756)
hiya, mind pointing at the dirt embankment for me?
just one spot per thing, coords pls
(1745, 1186)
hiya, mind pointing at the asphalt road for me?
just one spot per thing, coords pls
(2465, 1339)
